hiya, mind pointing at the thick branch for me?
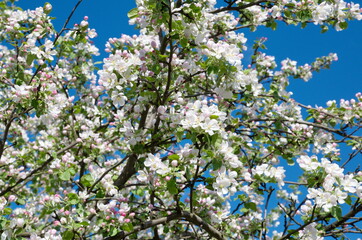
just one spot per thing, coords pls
(127, 172)
(195, 219)
(6, 132)
(190, 217)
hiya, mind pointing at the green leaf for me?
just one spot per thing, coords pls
(324, 29)
(195, 8)
(86, 180)
(65, 176)
(250, 205)
(174, 157)
(73, 198)
(67, 235)
(210, 153)
(358, 178)
(54, 155)
(138, 148)
(179, 135)
(172, 187)
(113, 231)
(337, 212)
(20, 75)
(128, 227)
(30, 58)
(244, 210)
(348, 200)
(7, 211)
(84, 223)
(216, 164)
(287, 13)
(140, 192)
(290, 161)
(242, 197)
(133, 13)
(309, 117)
(215, 140)
(274, 25)
(278, 125)
(100, 194)
(343, 25)
(184, 42)
(188, 173)
(72, 171)
(20, 201)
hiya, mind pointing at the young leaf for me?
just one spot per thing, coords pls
(171, 186)
(337, 212)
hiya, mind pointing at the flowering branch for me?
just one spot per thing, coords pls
(36, 170)
(191, 217)
(354, 211)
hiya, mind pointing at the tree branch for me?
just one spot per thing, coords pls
(190, 217)
(198, 221)
(67, 21)
(146, 225)
(6, 132)
(130, 169)
(8, 189)
(230, 8)
(106, 172)
(343, 219)
(127, 171)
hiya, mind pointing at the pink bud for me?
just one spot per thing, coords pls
(174, 163)
(12, 198)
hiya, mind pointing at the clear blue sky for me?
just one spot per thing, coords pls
(343, 80)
